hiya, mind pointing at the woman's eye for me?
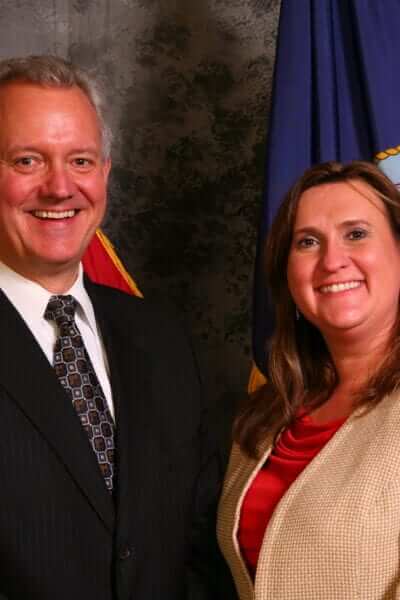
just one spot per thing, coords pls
(357, 234)
(306, 242)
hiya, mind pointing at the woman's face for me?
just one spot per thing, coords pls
(344, 263)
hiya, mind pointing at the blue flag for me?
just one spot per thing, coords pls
(336, 96)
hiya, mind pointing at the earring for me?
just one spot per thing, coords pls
(297, 314)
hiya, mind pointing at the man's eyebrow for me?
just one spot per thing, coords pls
(22, 149)
(86, 150)
(31, 148)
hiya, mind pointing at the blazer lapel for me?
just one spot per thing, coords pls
(30, 381)
(240, 474)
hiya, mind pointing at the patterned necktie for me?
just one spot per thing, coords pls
(76, 374)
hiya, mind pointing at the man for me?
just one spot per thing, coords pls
(107, 477)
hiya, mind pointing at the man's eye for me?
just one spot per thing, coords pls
(83, 163)
(27, 163)
(357, 234)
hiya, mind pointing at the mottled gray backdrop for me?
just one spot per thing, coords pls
(188, 83)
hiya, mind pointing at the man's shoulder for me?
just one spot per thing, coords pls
(107, 294)
(146, 315)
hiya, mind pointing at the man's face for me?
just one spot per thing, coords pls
(52, 181)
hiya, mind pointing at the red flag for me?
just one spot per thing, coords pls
(102, 265)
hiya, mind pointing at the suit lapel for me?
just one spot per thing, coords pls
(130, 372)
(30, 381)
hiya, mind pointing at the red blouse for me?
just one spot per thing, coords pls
(295, 448)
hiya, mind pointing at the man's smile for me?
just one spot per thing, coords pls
(53, 214)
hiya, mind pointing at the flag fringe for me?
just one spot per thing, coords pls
(109, 248)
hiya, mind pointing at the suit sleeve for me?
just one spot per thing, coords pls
(208, 576)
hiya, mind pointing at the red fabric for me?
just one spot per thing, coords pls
(100, 268)
(295, 448)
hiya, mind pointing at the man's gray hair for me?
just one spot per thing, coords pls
(52, 71)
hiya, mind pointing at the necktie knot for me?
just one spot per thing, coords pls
(61, 309)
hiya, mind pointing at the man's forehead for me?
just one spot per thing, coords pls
(24, 105)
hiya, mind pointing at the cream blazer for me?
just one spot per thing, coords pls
(335, 534)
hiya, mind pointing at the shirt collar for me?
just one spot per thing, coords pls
(31, 299)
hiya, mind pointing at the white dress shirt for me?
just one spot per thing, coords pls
(30, 299)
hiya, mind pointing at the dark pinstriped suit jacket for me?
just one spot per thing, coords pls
(61, 535)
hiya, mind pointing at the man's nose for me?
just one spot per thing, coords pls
(58, 183)
(334, 256)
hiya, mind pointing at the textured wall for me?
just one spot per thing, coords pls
(188, 83)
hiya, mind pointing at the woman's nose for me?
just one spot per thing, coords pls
(334, 256)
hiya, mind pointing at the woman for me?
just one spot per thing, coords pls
(311, 501)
